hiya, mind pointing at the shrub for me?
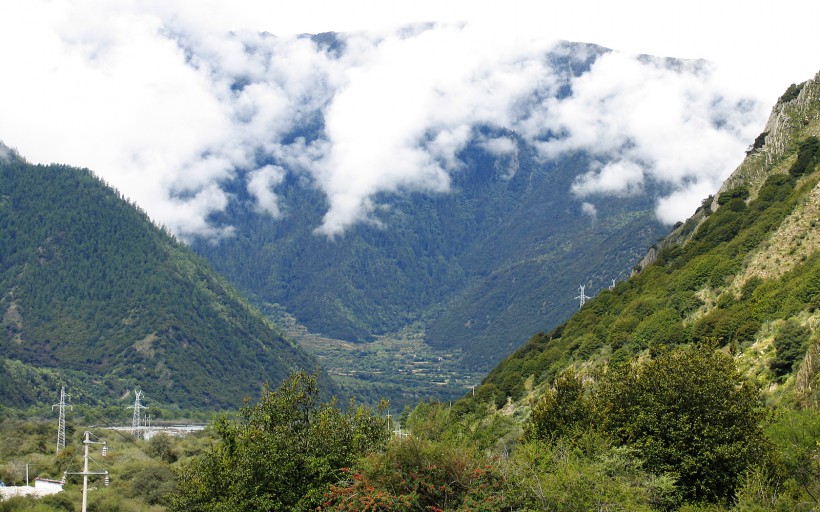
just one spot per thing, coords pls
(415, 474)
(688, 412)
(790, 345)
(562, 411)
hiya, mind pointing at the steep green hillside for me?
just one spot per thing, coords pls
(744, 272)
(480, 264)
(691, 386)
(93, 294)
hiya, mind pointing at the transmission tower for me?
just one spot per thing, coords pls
(136, 422)
(582, 297)
(61, 421)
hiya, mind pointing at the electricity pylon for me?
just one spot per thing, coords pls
(582, 297)
(136, 422)
(61, 421)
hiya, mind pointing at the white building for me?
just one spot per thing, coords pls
(42, 487)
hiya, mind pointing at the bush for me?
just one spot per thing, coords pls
(584, 474)
(414, 474)
(790, 345)
(687, 412)
(791, 93)
(562, 411)
(808, 155)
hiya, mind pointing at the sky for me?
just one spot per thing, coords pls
(169, 100)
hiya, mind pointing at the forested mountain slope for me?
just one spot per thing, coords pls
(482, 266)
(691, 386)
(93, 295)
(743, 272)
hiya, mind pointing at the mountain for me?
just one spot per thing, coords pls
(743, 272)
(692, 385)
(481, 267)
(93, 295)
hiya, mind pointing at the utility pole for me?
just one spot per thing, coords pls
(87, 441)
(136, 423)
(61, 421)
(582, 297)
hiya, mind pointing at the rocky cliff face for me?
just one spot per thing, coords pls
(794, 117)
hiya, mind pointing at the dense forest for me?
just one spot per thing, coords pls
(473, 266)
(93, 294)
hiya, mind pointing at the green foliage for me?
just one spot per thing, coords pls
(808, 156)
(89, 284)
(660, 305)
(563, 411)
(161, 447)
(662, 327)
(796, 433)
(282, 453)
(686, 412)
(790, 345)
(791, 93)
(759, 142)
(150, 483)
(727, 197)
(414, 474)
(586, 474)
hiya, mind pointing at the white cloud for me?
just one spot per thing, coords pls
(260, 185)
(166, 100)
(646, 119)
(407, 108)
(620, 178)
(677, 206)
(589, 209)
(499, 145)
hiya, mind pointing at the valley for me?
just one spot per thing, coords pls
(390, 285)
(401, 368)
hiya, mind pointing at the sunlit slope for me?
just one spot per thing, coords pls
(744, 272)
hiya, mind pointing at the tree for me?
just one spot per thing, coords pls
(281, 453)
(161, 447)
(688, 412)
(562, 411)
(790, 346)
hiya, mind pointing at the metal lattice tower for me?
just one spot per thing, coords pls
(61, 421)
(582, 297)
(136, 421)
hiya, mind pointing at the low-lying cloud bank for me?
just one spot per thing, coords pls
(168, 108)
